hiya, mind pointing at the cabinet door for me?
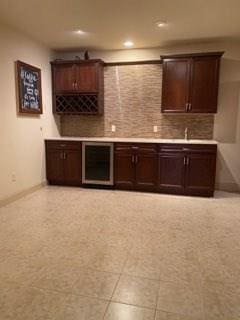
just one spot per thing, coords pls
(86, 78)
(204, 84)
(171, 173)
(72, 167)
(124, 170)
(63, 78)
(200, 174)
(55, 163)
(146, 171)
(175, 89)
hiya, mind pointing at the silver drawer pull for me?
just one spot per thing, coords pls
(170, 150)
(63, 145)
(145, 149)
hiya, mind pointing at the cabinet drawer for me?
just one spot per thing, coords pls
(200, 148)
(123, 147)
(188, 148)
(64, 145)
(136, 147)
(146, 147)
(170, 147)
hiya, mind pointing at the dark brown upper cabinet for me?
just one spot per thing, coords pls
(190, 83)
(78, 86)
(87, 77)
(63, 77)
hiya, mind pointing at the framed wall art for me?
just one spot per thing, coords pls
(29, 88)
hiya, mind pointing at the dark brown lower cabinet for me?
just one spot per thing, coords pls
(124, 169)
(146, 168)
(72, 167)
(64, 163)
(136, 166)
(187, 170)
(55, 168)
(171, 173)
(166, 168)
(200, 174)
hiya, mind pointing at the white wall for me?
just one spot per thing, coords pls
(21, 137)
(227, 125)
(227, 120)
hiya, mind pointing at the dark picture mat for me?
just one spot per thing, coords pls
(29, 88)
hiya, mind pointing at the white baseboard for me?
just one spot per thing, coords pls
(21, 194)
(228, 186)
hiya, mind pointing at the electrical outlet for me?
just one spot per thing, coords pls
(13, 177)
(155, 129)
(113, 128)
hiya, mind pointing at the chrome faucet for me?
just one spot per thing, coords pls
(186, 133)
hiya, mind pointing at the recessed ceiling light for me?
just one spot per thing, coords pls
(128, 43)
(161, 24)
(80, 32)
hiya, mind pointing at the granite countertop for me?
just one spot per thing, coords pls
(139, 140)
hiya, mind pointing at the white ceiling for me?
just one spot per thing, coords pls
(109, 22)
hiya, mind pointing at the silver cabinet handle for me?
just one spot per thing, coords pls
(186, 161)
(63, 155)
(188, 106)
(136, 159)
(133, 161)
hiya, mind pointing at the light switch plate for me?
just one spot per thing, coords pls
(155, 129)
(113, 128)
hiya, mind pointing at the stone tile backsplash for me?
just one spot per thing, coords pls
(133, 105)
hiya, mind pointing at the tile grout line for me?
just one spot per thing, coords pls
(115, 287)
(201, 283)
(133, 305)
(69, 293)
(159, 285)
(110, 300)
(155, 314)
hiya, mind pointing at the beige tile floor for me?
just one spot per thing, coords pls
(79, 254)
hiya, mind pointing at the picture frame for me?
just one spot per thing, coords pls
(29, 88)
